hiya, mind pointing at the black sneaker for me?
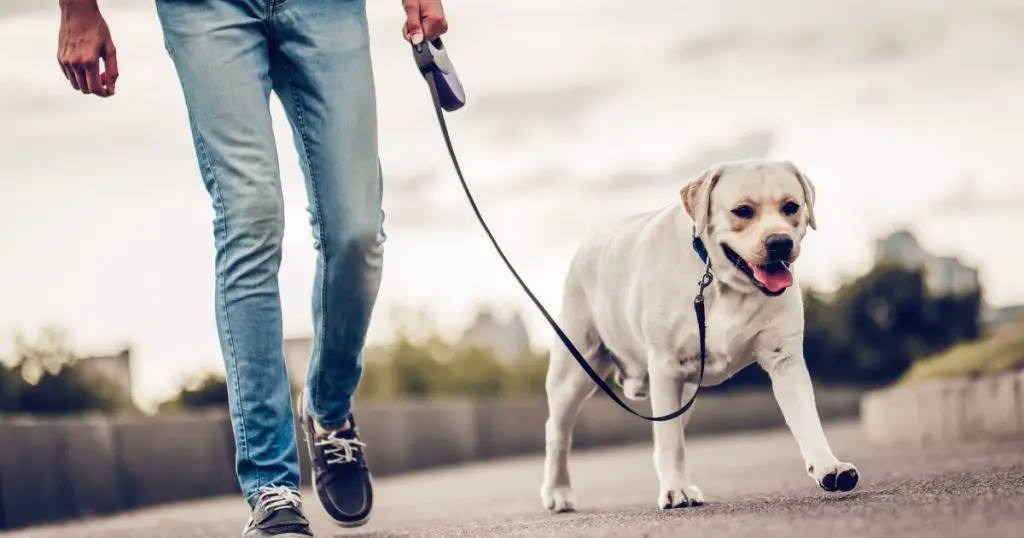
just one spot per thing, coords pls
(341, 478)
(278, 514)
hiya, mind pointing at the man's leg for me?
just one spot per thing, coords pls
(221, 53)
(323, 72)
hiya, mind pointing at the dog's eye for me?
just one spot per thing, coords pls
(791, 208)
(744, 212)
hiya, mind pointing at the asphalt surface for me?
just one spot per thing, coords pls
(754, 484)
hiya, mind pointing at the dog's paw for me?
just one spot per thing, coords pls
(557, 499)
(836, 477)
(680, 497)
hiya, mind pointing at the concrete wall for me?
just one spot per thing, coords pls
(57, 469)
(52, 470)
(952, 410)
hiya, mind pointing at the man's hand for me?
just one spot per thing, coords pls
(424, 19)
(83, 41)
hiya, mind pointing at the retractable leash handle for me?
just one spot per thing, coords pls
(447, 93)
(435, 66)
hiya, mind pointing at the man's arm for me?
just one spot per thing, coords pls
(423, 19)
(84, 39)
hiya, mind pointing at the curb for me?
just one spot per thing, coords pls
(949, 410)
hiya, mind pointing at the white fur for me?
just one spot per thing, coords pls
(628, 305)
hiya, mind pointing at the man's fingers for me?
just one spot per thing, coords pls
(80, 79)
(433, 20)
(69, 74)
(413, 30)
(434, 28)
(110, 67)
(92, 79)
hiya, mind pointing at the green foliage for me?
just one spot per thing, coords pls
(415, 371)
(43, 378)
(995, 354)
(204, 392)
(407, 369)
(881, 323)
(438, 369)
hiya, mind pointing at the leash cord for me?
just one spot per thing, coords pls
(698, 302)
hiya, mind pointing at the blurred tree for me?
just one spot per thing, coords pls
(206, 392)
(527, 375)
(474, 373)
(827, 349)
(378, 381)
(44, 380)
(416, 371)
(11, 386)
(882, 322)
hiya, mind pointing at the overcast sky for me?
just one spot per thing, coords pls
(903, 114)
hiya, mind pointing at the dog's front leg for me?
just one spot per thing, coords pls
(669, 444)
(791, 384)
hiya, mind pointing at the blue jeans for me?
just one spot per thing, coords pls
(314, 54)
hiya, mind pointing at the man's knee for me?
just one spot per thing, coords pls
(254, 225)
(355, 240)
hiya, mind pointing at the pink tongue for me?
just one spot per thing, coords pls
(773, 281)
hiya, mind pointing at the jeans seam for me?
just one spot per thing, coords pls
(318, 345)
(219, 199)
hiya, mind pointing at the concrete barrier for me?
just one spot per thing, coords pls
(57, 469)
(53, 470)
(952, 410)
(175, 458)
(983, 396)
(510, 428)
(34, 477)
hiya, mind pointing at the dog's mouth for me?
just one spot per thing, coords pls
(772, 279)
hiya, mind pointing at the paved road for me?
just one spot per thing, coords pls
(754, 484)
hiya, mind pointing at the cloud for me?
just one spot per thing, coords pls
(753, 144)
(968, 200)
(409, 202)
(742, 40)
(411, 184)
(17, 7)
(552, 177)
(550, 107)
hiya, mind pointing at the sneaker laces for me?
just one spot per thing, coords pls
(276, 498)
(340, 450)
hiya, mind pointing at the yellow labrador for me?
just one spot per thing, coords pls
(627, 304)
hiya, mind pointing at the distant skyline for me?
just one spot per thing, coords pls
(904, 114)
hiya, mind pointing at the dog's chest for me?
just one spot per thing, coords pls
(729, 348)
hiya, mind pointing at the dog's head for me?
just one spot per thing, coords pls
(752, 216)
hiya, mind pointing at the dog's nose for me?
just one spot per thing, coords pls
(779, 247)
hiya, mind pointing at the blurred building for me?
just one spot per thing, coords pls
(943, 275)
(508, 338)
(115, 369)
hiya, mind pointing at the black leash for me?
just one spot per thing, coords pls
(426, 60)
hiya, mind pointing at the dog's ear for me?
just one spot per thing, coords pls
(808, 187)
(696, 196)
